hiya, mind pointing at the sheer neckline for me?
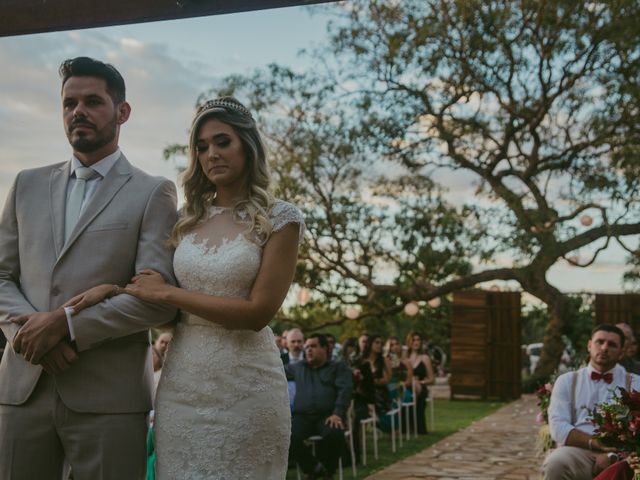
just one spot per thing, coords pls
(215, 210)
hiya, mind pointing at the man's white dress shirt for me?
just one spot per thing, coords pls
(588, 393)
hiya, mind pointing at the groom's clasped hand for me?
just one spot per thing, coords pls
(39, 333)
(41, 339)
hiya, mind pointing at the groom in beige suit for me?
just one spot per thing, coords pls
(78, 386)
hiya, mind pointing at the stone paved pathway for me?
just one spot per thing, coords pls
(500, 446)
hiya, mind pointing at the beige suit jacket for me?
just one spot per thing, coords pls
(122, 230)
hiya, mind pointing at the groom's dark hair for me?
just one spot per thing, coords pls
(89, 67)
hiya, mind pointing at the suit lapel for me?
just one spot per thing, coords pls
(57, 201)
(109, 186)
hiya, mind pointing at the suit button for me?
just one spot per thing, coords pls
(55, 291)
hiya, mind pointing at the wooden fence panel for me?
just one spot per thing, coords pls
(485, 344)
(618, 308)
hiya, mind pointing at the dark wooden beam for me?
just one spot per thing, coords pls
(20, 17)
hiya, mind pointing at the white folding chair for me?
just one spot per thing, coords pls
(348, 433)
(364, 423)
(348, 436)
(392, 415)
(432, 416)
(411, 408)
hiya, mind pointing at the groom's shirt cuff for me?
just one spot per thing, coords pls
(68, 311)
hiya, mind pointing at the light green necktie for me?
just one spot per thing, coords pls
(74, 202)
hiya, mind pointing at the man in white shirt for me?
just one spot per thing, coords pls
(579, 454)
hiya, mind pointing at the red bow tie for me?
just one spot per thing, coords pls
(607, 377)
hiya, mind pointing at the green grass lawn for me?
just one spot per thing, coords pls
(450, 416)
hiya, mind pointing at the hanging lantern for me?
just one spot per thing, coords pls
(411, 309)
(352, 313)
(435, 302)
(586, 220)
(304, 295)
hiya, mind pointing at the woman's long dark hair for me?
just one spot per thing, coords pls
(379, 360)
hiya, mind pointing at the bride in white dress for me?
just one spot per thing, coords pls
(222, 408)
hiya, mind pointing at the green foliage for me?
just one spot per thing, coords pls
(534, 320)
(537, 102)
(536, 317)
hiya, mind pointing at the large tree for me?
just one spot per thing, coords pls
(536, 101)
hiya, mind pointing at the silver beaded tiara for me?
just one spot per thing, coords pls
(218, 103)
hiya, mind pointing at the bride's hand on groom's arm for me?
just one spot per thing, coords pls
(148, 285)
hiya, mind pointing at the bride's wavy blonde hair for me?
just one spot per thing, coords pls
(199, 192)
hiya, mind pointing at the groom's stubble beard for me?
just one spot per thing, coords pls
(104, 136)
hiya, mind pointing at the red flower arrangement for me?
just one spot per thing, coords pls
(618, 422)
(618, 425)
(544, 397)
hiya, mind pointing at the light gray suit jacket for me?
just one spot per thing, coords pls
(122, 230)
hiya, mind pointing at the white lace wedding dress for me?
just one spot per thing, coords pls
(222, 409)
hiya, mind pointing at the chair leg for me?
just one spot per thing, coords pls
(400, 424)
(432, 414)
(298, 471)
(340, 474)
(353, 462)
(375, 442)
(393, 434)
(363, 434)
(407, 413)
(352, 450)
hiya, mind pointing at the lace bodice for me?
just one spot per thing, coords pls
(220, 258)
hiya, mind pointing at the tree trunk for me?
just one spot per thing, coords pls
(553, 346)
(533, 280)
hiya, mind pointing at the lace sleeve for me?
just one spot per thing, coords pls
(284, 213)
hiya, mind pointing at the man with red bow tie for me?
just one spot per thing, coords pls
(579, 455)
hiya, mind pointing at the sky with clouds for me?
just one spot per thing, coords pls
(166, 65)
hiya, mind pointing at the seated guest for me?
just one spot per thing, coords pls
(375, 369)
(334, 347)
(162, 343)
(295, 347)
(627, 360)
(323, 393)
(362, 342)
(279, 339)
(581, 456)
(423, 374)
(401, 368)
(157, 362)
(349, 351)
